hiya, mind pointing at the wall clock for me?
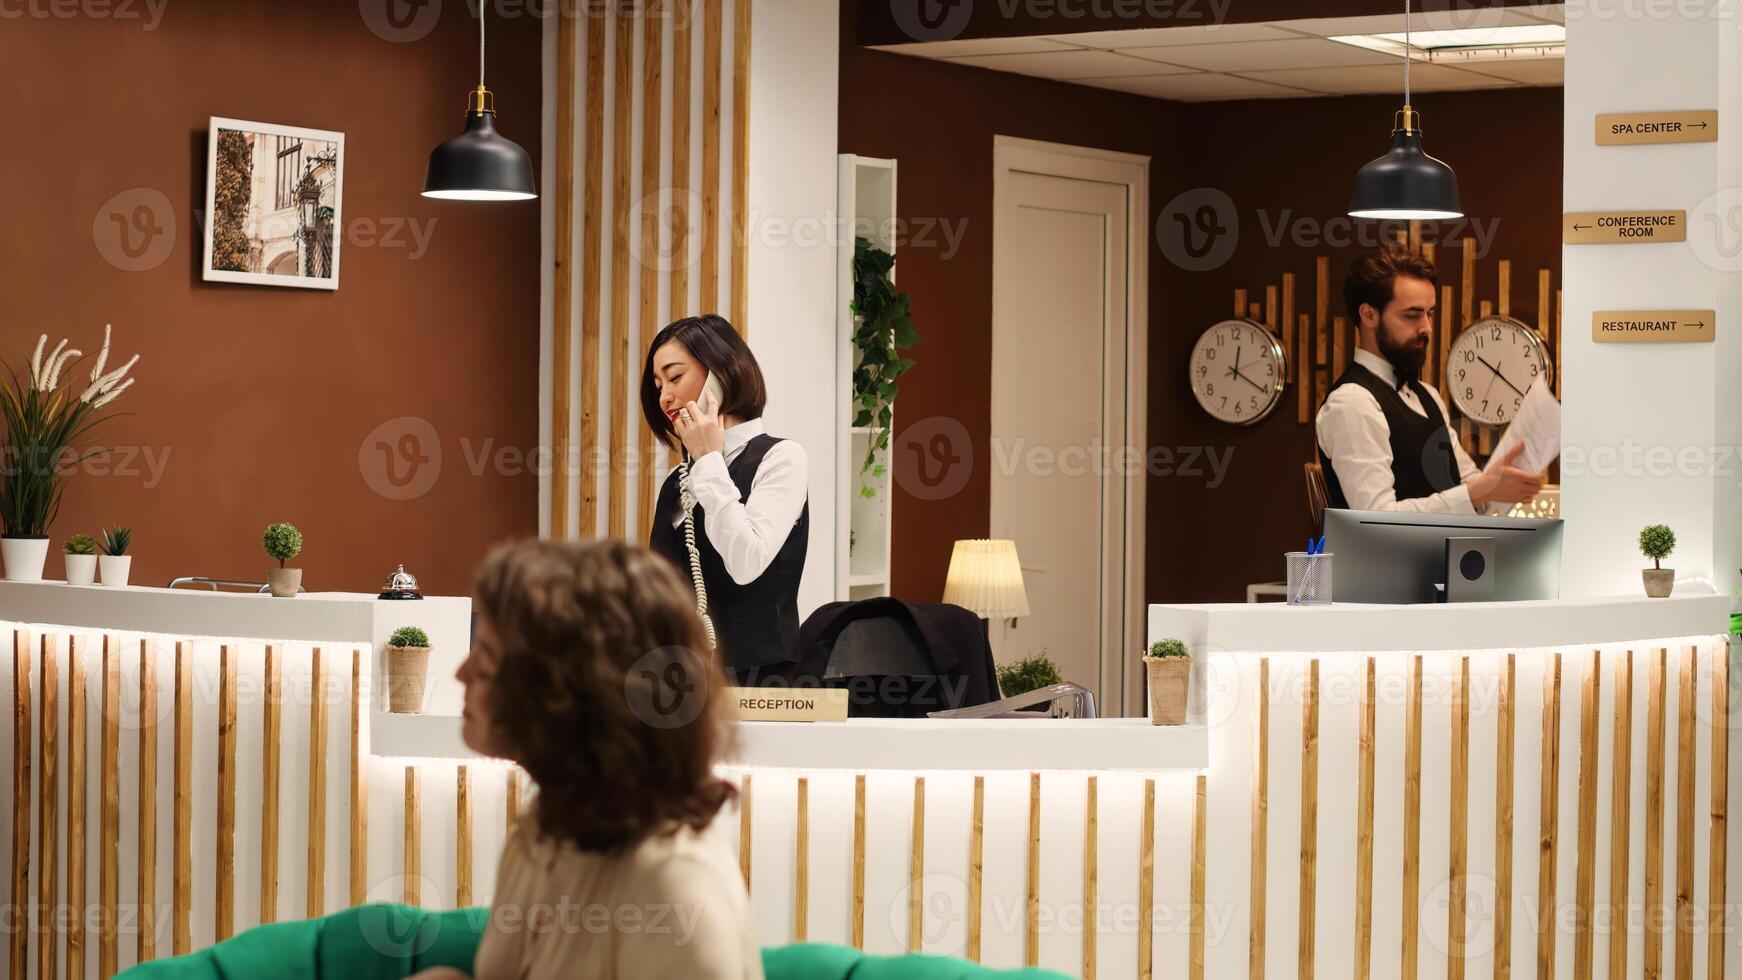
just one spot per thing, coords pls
(1492, 363)
(1238, 371)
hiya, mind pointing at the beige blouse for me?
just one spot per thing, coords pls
(674, 907)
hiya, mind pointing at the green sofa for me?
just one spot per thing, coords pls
(391, 942)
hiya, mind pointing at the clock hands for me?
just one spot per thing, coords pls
(1497, 374)
(1235, 372)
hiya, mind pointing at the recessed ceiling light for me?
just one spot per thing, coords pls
(1478, 43)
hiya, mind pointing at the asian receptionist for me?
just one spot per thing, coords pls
(734, 516)
(1384, 441)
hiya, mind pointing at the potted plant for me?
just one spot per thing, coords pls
(283, 542)
(115, 563)
(407, 667)
(1656, 541)
(43, 423)
(81, 556)
(1027, 674)
(881, 332)
(1170, 672)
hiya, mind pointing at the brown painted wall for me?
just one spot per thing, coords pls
(1276, 160)
(257, 401)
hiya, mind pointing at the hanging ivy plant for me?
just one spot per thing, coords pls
(881, 333)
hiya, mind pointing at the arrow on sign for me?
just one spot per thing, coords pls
(1702, 125)
(1696, 323)
(1579, 227)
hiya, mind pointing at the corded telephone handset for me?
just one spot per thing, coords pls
(711, 398)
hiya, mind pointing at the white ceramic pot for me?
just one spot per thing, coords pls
(81, 569)
(24, 558)
(115, 568)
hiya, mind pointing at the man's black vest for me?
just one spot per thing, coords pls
(754, 624)
(1422, 462)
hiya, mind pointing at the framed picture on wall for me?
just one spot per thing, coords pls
(273, 196)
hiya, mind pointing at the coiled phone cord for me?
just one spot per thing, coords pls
(687, 499)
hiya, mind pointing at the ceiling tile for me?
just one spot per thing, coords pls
(975, 46)
(1372, 80)
(1163, 36)
(1530, 71)
(1469, 18)
(1064, 65)
(1199, 87)
(1265, 55)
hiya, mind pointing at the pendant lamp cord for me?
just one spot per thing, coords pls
(1406, 58)
(483, 6)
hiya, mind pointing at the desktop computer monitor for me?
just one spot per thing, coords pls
(1393, 557)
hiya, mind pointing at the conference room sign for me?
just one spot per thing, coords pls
(1623, 227)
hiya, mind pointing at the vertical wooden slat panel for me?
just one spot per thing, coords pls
(562, 272)
(48, 798)
(741, 165)
(1544, 296)
(744, 829)
(1717, 857)
(1504, 737)
(513, 802)
(1504, 304)
(1548, 832)
(976, 866)
(652, 42)
(1270, 307)
(1559, 335)
(1718, 848)
(1444, 341)
(462, 836)
(1467, 285)
(108, 858)
(593, 270)
(1287, 315)
(1458, 865)
(359, 788)
(681, 51)
(916, 871)
(317, 787)
(859, 861)
(1655, 707)
(183, 880)
(271, 733)
(226, 867)
(1584, 878)
(1684, 817)
(146, 847)
(1309, 822)
(413, 852)
(1364, 824)
(1239, 302)
(1321, 319)
(1091, 872)
(1486, 308)
(1200, 860)
(801, 885)
(1146, 886)
(622, 115)
(1411, 900)
(710, 270)
(75, 927)
(1620, 812)
(20, 944)
(1031, 917)
(1256, 892)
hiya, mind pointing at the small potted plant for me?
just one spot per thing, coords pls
(283, 542)
(115, 563)
(407, 667)
(1028, 674)
(1656, 542)
(81, 555)
(1170, 672)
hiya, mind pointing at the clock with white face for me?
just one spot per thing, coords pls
(1238, 371)
(1492, 363)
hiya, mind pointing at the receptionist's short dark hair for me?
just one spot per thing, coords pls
(713, 341)
(1372, 277)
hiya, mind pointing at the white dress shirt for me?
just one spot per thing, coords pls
(749, 533)
(1353, 432)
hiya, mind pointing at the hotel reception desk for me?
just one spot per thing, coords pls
(1360, 788)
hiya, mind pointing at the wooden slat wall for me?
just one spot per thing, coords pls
(108, 858)
(48, 796)
(317, 786)
(76, 742)
(625, 217)
(19, 947)
(146, 846)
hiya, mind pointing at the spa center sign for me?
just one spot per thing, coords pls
(1628, 128)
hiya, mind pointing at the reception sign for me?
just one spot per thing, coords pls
(1623, 227)
(1653, 326)
(1631, 128)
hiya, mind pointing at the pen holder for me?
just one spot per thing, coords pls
(1309, 578)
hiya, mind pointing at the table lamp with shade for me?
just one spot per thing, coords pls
(986, 579)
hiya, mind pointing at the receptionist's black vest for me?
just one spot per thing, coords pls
(1422, 462)
(755, 624)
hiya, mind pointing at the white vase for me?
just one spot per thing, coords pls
(24, 558)
(115, 568)
(81, 569)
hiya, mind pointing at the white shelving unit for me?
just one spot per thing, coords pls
(866, 203)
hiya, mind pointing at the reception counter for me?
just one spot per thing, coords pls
(1358, 787)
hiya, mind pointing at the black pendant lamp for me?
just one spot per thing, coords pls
(1406, 183)
(480, 164)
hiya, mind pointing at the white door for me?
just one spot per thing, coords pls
(1060, 413)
